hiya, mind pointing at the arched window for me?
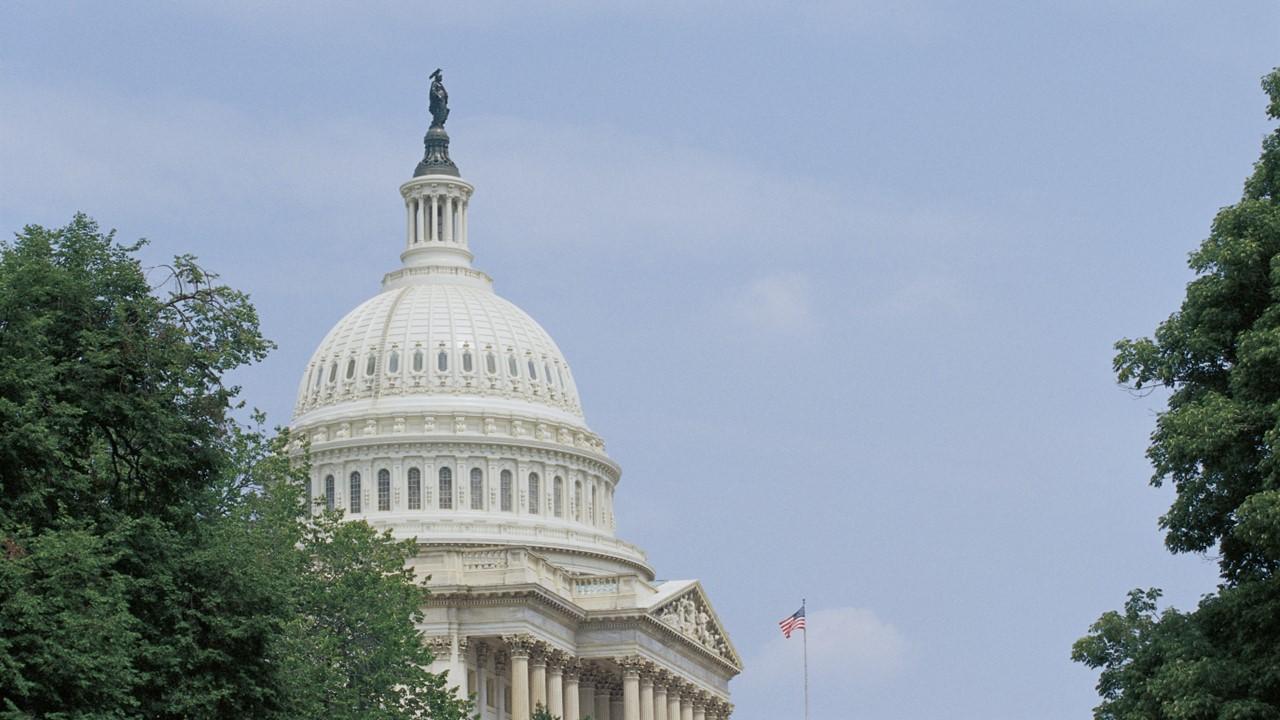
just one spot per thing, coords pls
(351, 368)
(393, 362)
(546, 371)
(355, 492)
(333, 371)
(504, 489)
(577, 500)
(442, 361)
(557, 498)
(533, 370)
(477, 489)
(418, 360)
(415, 489)
(491, 363)
(329, 488)
(384, 490)
(371, 365)
(466, 361)
(513, 367)
(446, 488)
(319, 377)
(535, 496)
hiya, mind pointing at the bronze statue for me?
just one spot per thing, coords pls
(439, 100)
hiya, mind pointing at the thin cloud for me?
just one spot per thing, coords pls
(777, 304)
(847, 645)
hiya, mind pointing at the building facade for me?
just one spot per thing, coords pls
(441, 411)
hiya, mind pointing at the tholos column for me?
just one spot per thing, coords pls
(616, 706)
(432, 229)
(555, 685)
(686, 705)
(673, 702)
(630, 691)
(519, 679)
(700, 709)
(448, 219)
(571, 692)
(482, 674)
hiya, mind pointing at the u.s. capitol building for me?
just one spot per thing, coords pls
(441, 411)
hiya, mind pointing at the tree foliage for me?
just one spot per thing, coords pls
(1218, 442)
(155, 560)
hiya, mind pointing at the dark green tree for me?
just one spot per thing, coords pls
(155, 560)
(1218, 442)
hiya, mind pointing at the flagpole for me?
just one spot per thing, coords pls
(806, 663)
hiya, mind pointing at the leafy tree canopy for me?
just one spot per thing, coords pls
(155, 559)
(1218, 442)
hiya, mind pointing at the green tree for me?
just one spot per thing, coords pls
(1218, 442)
(154, 557)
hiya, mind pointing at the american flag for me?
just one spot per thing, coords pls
(793, 622)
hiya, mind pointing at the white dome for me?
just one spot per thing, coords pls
(440, 411)
(445, 339)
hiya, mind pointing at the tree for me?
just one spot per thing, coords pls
(1218, 442)
(155, 560)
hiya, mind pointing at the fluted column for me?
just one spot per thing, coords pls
(646, 695)
(482, 674)
(586, 694)
(571, 692)
(630, 689)
(501, 659)
(537, 678)
(616, 706)
(660, 697)
(700, 708)
(603, 692)
(686, 704)
(673, 701)
(555, 684)
(520, 646)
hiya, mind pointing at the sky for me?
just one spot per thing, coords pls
(839, 281)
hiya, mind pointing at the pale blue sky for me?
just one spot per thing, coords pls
(838, 281)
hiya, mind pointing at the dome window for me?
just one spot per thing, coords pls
(442, 361)
(513, 367)
(333, 372)
(533, 370)
(546, 370)
(329, 488)
(504, 490)
(557, 498)
(355, 492)
(384, 490)
(371, 365)
(477, 489)
(319, 377)
(351, 368)
(419, 360)
(446, 488)
(393, 362)
(466, 361)
(559, 376)
(535, 494)
(491, 363)
(577, 500)
(415, 489)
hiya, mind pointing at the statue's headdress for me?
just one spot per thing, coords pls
(435, 75)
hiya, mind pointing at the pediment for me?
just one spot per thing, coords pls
(686, 609)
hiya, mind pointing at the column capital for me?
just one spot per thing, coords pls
(520, 646)
(438, 645)
(631, 665)
(501, 659)
(572, 668)
(462, 644)
(483, 652)
(538, 654)
(557, 660)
